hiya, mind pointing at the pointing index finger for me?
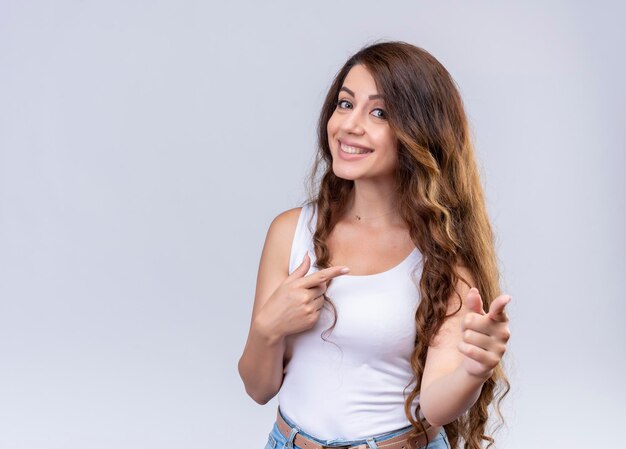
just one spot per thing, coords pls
(322, 276)
(496, 311)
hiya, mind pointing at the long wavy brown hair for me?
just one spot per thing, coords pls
(441, 201)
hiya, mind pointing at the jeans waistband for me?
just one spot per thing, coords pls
(322, 442)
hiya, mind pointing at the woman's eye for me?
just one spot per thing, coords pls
(341, 102)
(382, 114)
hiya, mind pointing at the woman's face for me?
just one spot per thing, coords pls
(359, 125)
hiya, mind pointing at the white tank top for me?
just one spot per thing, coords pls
(357, 390)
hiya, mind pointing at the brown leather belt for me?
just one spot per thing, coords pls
(397, 442)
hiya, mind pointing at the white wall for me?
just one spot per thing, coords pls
(145, 146)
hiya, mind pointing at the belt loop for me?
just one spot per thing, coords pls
(292, 435)
(371, 443)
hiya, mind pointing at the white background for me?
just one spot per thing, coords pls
(145, 146)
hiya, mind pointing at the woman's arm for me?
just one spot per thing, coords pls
(285, 304)
(261, 364)
(464, 353)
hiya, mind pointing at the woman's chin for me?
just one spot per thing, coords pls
(346, 174)
(353, 175)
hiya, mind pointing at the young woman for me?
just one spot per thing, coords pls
(377, 316)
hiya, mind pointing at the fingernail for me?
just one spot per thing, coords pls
(344, 270)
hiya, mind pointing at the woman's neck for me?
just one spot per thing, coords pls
(373, 204)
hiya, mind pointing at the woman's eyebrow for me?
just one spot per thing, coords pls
(371, 97)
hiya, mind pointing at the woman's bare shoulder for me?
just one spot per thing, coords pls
(281, 233)
(290, 215)
(286, 221)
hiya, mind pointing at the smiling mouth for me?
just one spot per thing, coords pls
(353, 150)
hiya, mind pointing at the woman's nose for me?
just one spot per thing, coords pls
(352, 123)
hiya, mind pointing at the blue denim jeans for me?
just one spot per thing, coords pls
(276, 440)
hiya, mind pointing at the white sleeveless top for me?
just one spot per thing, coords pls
(353, 385)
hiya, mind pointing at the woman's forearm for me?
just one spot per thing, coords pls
(261, 364)
(448, 397)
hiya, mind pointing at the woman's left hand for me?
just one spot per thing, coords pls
(485, 335)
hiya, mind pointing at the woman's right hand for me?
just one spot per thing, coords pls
(295, 305)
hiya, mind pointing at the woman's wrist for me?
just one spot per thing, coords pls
(266, 333)
(475, 379)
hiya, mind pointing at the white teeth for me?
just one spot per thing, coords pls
(353, 150)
